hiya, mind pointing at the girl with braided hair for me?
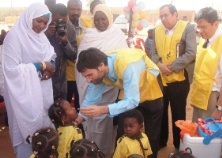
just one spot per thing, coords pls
(63, 116)
(85, 148)
(133, 141)
(44, 143)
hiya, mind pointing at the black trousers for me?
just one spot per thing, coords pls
(152, 112)
(175, 95)
(72, 90)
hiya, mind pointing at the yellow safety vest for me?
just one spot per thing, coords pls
(206, 65)
(166, 46)
(148, 86)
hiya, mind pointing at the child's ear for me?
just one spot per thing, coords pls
(64, 119)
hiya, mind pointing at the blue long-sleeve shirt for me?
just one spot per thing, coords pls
(131, 79)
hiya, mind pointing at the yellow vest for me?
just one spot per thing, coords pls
(207, 61)
(127, 146)
(148, 86)
(32, 156)
(67, 135)
(166, 46)
(70, 65)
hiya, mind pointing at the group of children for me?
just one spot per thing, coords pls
(66, 141)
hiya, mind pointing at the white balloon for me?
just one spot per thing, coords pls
(144, 23)
(141, 5)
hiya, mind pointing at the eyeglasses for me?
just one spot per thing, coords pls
(203, 27)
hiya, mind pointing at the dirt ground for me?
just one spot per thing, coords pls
(6, 150)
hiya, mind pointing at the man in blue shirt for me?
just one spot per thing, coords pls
(136, 76)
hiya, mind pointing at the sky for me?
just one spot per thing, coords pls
(150, 4)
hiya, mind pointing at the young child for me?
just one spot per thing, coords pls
(133, 141)
(63, 115)
(44, 143)
(85, 148)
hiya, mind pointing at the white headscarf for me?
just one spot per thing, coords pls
(106, 10)
(30, 40)
(27, 98)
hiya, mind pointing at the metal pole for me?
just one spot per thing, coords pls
(130, 20)
(130, 23)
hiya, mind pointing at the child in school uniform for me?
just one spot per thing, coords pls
(133, 141)
(44, 143)
(63, 116)
(85, 148)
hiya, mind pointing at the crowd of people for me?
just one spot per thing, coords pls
(121, 95)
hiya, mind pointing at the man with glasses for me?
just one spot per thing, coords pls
(207, 81)
(174, 51)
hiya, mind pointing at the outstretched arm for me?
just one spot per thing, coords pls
(131, 96)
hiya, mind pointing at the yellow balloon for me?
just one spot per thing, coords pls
(142, 14)
(135, 23)
(136, 16)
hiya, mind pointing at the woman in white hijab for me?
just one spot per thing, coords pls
(105, 37)
(28, 65)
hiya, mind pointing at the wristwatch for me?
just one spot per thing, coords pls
(219, 107)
